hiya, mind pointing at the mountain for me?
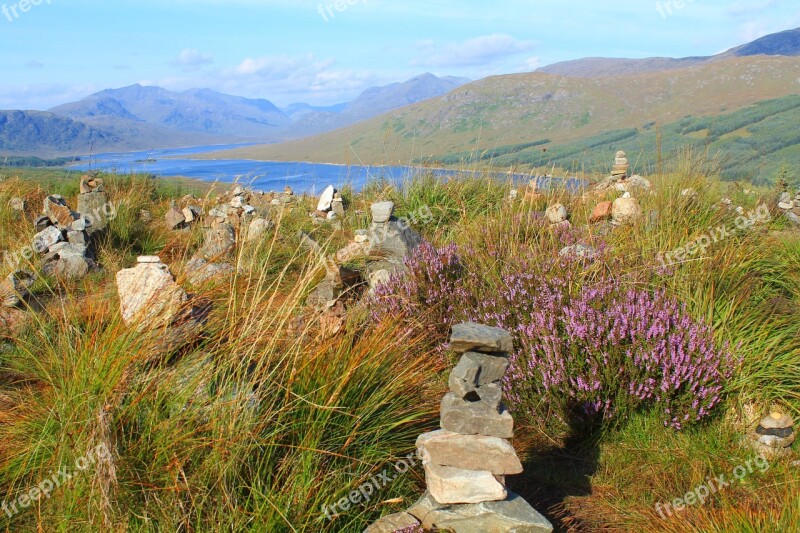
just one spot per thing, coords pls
(19, 130)
(373, 102)
(195, 111)
(785, 43)
(545, 110)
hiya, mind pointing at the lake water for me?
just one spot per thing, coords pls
(260, 175)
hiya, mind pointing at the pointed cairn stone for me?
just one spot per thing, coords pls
(466, 462)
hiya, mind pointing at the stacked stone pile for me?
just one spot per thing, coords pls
(330, 206)
(621, 166)
(467, 461)
(93, 203)
(284, 198)
(63, 240)
(774, 435)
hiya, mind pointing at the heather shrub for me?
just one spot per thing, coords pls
(588, 348)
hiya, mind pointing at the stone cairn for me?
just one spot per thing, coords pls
(330, 206)
(93, 202)
(63, 239)
(621, 166)
(774, 435)
(467, 461)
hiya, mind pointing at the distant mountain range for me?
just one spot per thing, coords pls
(138, 117)
(785, 43)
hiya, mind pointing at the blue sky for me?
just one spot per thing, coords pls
(313, 51)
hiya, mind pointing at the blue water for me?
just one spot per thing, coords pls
(260, 175)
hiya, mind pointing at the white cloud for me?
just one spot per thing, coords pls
(191, 59)
(481, 51)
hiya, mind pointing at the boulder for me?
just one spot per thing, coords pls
(149, 297)
(626, 211)
(199, 271)
(556, 214)
(258, 228)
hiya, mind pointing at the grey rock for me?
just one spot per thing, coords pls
(512, 515)
(96, 207)
(18, 204)
(77, 237)
(399, 522)
(71, 267)
(46, 238)
(338, 207)
(469, 452)
(393, 240)
(475, 370)
(777, 420)
(486, 339)
(199, 271)
(258, 228)
(42, 223)
(149, 297)
(449, 485)
(16, 287)
(174, 219)
(626, 211)
(219, 242)
(322, 295)
(475, 418)
(579, 251)
(82, 224)
(382, 212)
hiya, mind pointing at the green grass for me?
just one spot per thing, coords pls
(264, 420)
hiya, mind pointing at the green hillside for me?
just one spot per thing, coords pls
(751, 143)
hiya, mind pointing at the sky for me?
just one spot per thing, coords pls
(327, 51)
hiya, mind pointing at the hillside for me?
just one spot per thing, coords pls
(786, 43)
(528, 108)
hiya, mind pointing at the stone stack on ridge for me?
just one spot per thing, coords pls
(63, 239)
(93, 203)
(467, 461)
(621, 166)
(330, 206)
(774, 435)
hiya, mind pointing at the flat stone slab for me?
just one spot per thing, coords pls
(469, 452)
(512, 515)
(382, 212)
(475, 418)
(479, 338)
(449, 485)
(394, 523)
